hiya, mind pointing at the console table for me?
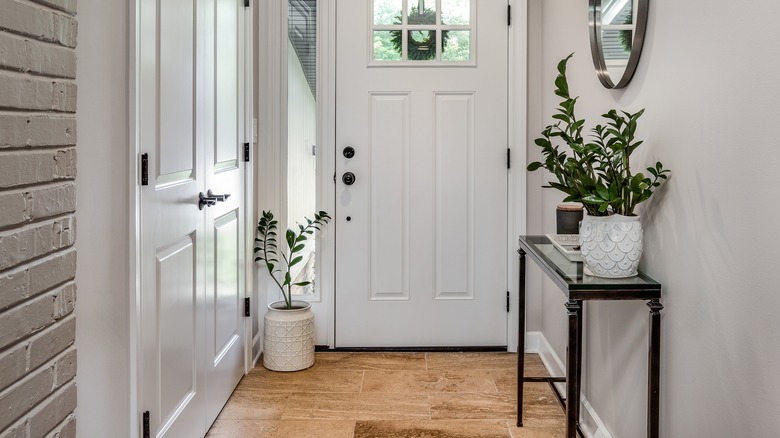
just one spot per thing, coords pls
(578, 288)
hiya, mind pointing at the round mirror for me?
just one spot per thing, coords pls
(617, 31)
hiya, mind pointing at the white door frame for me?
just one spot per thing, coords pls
(271, 83)
(134, 200)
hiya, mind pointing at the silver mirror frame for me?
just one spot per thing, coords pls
(636, 46)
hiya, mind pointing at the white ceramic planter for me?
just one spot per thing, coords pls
(611, 245)
(288, 340)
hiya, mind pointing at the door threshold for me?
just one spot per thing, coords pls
(477, 349)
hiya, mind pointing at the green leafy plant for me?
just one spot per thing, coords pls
(595, 173)
(267, 248)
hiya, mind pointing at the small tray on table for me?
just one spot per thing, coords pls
(568, 245)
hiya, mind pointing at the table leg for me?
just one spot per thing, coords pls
(654, 370)
(521, 339)
(572, 375)
(580, 349)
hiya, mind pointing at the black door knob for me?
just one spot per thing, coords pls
(349, 152)
(348, 178)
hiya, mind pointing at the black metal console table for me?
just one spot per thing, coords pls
(578, 288)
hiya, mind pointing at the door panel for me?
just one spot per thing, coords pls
(229, 23)
(178, 348)
(421, 235)
(224, 321)
(226, 309)
(454, 259)
(176, 93)
(389, 197)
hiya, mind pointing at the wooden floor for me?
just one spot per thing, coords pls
(420, 395)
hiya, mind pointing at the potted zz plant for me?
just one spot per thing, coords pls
(289, 325)
(597, 173)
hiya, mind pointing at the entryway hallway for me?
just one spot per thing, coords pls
(419, 395)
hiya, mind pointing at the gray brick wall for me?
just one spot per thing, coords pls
(37, 218)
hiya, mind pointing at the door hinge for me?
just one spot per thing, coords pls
(246, 152)
(247, 307)
(507, 301)
(246, 3)
(508, 158)
(144, 169)
(146, 432)
(334, 177)
(508, 15)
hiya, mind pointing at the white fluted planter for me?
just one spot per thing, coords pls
(288, 340)
(611, 245)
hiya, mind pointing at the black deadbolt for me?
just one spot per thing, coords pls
(349, 152)
(348, 178)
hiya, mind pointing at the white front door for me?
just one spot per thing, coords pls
(189, 101)
(422, 232)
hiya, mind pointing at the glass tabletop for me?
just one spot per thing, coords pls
(570, 276)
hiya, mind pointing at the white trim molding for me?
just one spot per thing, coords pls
(532, 342)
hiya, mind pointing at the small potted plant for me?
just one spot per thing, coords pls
(288, 333)
(597, 173)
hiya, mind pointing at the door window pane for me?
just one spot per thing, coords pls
(387, 45)
(457, 46)
(387, 12)
(422, 12)
(455, 12)
(421, 45)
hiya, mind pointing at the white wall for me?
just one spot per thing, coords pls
(102, 312)
(708, 78)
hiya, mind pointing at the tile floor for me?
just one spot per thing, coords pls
(388, 395)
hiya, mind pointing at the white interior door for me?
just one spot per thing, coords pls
(422, 232)
(190, 113)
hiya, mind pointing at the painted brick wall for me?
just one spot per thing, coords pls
(37, 222)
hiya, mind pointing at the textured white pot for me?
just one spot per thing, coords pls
(288, 337)
(611, 245)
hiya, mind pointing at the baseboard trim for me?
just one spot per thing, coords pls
(590, 422)
(532, 342)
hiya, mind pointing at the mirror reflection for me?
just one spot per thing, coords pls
(617, 31)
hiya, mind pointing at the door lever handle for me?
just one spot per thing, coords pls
(219, 198)
(210, 199)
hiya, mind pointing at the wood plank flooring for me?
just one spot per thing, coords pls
(392, 395)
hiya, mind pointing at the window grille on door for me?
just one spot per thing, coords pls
(422, 32)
